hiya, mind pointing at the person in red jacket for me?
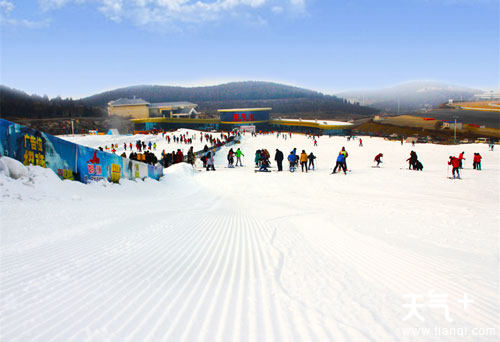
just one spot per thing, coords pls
(460, 158)
(477, 161)
(455, 163)
(179, 156)
(377, 158)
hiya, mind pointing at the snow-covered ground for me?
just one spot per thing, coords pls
(378, 254)
(96, 141)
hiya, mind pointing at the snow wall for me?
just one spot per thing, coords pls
(69, 160)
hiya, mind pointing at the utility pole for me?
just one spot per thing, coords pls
(455, 129)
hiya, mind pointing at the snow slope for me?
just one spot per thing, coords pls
(96, 141)
(237, 255)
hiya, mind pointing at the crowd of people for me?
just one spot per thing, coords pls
(304, 161)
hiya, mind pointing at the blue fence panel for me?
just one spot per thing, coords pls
(66, 159)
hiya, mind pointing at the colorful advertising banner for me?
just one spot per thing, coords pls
(66, 159)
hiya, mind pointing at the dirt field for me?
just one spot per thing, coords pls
(493, 106)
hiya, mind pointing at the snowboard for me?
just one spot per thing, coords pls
(262, 171)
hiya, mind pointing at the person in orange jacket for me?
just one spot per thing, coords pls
(455, 163)
(303, 160)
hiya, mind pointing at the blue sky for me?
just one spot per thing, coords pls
(76, 48)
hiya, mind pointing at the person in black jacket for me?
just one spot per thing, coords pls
(311, 158)
(279, 159)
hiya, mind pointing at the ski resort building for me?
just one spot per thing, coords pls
(229, 119)
(140, 109)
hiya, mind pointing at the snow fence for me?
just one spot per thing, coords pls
(69, 160)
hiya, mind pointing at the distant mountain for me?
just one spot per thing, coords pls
(285, 100)
(411, 96)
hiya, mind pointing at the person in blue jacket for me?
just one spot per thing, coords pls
(292, 160)
(340, 163)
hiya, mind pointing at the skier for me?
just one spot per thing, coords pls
(257, 158)
(345, 154)
(238, 156)
(278, 157)
(412, 160)
(360, 142)
(461, 157)
(210, 161)
(340, 163)
(191, 156)
(455, 163)
(125, 146)
(303, 160)
(291, 159)
(311, 158)
(377, 158)
(477, 161)
(230, 158)
(315, 142)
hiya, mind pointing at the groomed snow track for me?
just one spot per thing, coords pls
(215, 256)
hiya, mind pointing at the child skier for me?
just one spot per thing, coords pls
(210, 161)
(291, 159)
(238, 156)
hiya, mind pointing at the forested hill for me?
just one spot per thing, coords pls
(18, 104)
(224, 92)
(285, 100)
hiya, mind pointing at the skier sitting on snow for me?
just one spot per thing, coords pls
(264, 165)
(455, 163)
(377, 158)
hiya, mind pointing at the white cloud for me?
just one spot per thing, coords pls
(47, 5)
(277, 9)
(7, 8)
(173, 13)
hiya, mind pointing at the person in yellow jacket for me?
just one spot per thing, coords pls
(303, 160)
